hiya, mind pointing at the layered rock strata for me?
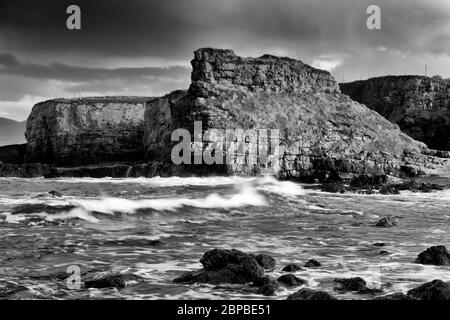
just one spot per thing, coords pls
(322, 133)
(86, 131)
(419, 105)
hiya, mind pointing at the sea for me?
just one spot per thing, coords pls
(159, 228)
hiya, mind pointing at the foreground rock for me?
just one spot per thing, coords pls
(325, 135)
(114, 281)
(354, 284)
(309, 294)
(224, 266)
(434, 290)
(291, 281)
(86, 131)
(292, 267)
(419, 105)
(386, 222)
(437, 255)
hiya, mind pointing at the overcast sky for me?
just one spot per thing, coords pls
(144, 47)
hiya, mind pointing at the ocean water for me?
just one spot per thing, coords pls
(109, 225)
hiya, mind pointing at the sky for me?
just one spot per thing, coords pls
(144, 47)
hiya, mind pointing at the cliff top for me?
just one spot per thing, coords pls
(399, 78)
(223, 68)
(105, 99)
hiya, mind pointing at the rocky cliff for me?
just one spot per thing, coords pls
(419, 105)
(87, 130)
(323, 134)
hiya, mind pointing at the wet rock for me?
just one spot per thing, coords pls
(396, 296)
(350, 284)
(267, 286)
(384, 253)
(434, 290)
(292, 268)
(131, 243)
(312, 263)
(261, 281)
(55, 193)
(114, 281)
(224, 266)
(389, 189)
(386, 222)
(291, 280)
(309, 294)
(379, 244)
(436, 255)
(266, 261)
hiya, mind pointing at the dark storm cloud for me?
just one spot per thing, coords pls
(172, 29)
(141, 36)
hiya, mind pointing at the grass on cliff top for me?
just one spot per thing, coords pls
(109, 99)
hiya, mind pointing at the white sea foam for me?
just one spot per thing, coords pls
(247, 196)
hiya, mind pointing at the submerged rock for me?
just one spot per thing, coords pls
(291, 280)
(434, 290)
(436, 255)
(386, 222)
(267, 286)
(224, 266)
(114, 281)
(55, 193)
(309, 294)
(292, 268)
(312, 263)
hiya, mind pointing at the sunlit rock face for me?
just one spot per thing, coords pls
(419, 105)
(323, 134)
(86, 130)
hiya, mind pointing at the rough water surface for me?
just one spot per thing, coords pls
(159, 228)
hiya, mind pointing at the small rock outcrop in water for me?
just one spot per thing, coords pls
(386, 222)
(312, 263)
(309, 294)
(292, 268)
(267, 286)
(86, 131)
(224, 266)
(419, 105)
(324, 134)
(434, 290)
(437, 255)
(354, 284)
(291, 280)
(114, 281)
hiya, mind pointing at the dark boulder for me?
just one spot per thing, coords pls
(436, 255)
(55, 193)
(350, 284)
(386, 222)
(224, 266)
(312, 263)
(114, 281)
(379, 244)
(267, 286)
(291, 280)
(434, 290)
(292, 267)
(266, 261)
(309, 294)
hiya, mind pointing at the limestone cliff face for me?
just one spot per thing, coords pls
(323, 133)
(419, 105)
(87, 130)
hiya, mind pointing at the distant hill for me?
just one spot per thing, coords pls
(11, 132)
